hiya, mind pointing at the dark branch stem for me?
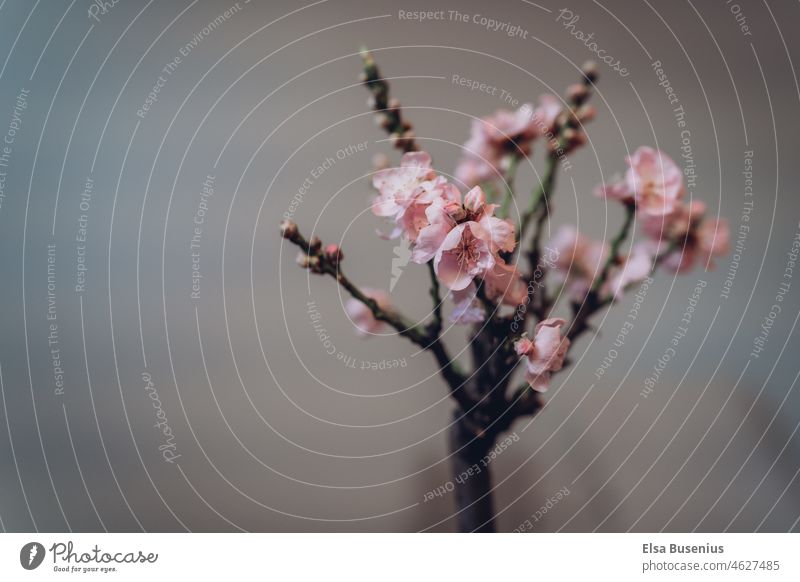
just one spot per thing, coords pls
(320, 263)
(616, 243)
(435, 327)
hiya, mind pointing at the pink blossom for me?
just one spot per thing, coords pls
(709, 239)
(507, 129)
(493, 138)
(361, 315)
(442, 216)
(472, 170)
(579, 259)
(467, 308)
(524, 346)
(500, 231)
(545, 353)
(444, 213)
(414, 217)
(653, 181)
(398, 186)
(503, 281)
(636, 267)
(676, 224)
(545, 115)
(464, 254)
(698, 238)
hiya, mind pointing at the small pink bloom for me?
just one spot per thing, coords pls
(655, 180)
(615, 189)
(475, 200)
(579, 260)
(397, 186)
(501, 233)
(698, 238)
(414, 217)
(675, 225)
(473, 170)
(362, 317)
(464, 254)
(544, 116)
(714, 238)
(523, 346)
(493, 138)
(441, 216)
(506, 129)
(652, 180)
(545, 353)
(636, 268)
(504, 281)
(467, 308)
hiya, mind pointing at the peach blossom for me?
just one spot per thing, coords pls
(545, 353)
(464, 254)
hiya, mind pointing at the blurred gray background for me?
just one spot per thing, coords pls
(269, 431)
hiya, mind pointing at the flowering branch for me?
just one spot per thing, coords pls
(614, 254)
(326, 261)
(567, 136)
(468, 251)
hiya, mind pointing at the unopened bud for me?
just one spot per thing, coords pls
(302, 259)
(383, 121)
(577, 93)
(455, 211)
(314, 244)
(574, 138)
(315, 264)
(586, 113)
(288, 229)
(333, 253)
(590, 71)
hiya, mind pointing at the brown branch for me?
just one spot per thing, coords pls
(324, 263)
(388, 110)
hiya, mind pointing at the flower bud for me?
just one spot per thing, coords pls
(475, 199)
(314, 244)
(577, 93)
(333, 253)
(523, 346)
(586, 113)
(288, 229)
(302, 259)
(590, 71)
(315, 264)
(455, 211)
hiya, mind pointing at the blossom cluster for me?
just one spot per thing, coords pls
(469, 247)
(676, 232)
(494, 139)
(460, 234)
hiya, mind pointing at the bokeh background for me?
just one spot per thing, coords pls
(269, 431)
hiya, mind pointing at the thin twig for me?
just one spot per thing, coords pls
(321, 264)
(435, 327)
(391, 116)
(509, 182)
